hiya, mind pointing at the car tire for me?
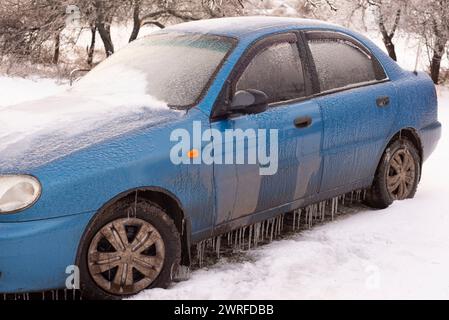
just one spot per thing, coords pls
(397, 176)
(131, 227)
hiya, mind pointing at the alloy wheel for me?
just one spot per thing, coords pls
(401, 175)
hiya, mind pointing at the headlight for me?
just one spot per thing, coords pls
(18, 192)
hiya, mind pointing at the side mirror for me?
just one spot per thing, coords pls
(249, 101)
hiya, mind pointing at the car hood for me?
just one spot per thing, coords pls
(35, 133)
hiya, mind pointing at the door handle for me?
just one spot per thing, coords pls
(383, 102)
(303, 122)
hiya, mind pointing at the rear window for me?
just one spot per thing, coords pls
(341, 63)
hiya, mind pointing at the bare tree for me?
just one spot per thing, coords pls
(430, 20)
(160, 12)
(388, 13)
(27, 26)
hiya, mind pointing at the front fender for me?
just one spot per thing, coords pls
(84, 181)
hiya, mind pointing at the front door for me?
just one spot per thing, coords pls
(289, 133)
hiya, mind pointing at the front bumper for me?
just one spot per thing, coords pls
(34, 255)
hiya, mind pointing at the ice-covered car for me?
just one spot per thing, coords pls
(88, 179)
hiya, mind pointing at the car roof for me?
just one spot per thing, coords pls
(241, 27)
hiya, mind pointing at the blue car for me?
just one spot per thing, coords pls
(120, 175)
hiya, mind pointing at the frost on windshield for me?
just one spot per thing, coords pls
(134, 88)
(35, 133)
(177, 67)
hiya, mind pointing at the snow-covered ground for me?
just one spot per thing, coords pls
(15, 90)
(401, 252)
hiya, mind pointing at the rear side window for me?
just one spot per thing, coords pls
(341, 63)
(277, 71)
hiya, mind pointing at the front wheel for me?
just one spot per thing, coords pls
(397, 176)
(123, 254)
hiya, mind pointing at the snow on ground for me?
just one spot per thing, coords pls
(15, 90)
(401, 252)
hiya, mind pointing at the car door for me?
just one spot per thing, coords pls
(273, 66)
(357, 103)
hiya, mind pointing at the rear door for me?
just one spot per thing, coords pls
(357, 103)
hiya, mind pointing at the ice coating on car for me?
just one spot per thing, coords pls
(143, 84)
(96, 109)
(239, 26)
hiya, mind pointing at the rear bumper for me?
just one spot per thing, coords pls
(34, 255)
(430, 136)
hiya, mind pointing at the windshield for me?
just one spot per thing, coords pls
(175, 68)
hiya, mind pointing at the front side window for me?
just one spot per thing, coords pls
(277, 71)
(340, 63)
(174, 68)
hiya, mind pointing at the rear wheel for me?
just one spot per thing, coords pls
(397, 176)
(123, 254)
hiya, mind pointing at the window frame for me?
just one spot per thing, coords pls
(379, 69)
(223, 102)
(313, 90)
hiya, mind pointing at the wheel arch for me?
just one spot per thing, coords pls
(163, 198)
(411, 134)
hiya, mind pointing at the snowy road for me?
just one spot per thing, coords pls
(401, 252)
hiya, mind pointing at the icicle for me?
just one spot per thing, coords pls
(200, 252)
(236, 241)
(217, 247)
(255, 234)
(262, 231)
(311, 217)
(276, 226)
(267, 227)
(322, 207)
(334, 207)
(307, 216)
(249, 236)
(239, 242)
(294, 221)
